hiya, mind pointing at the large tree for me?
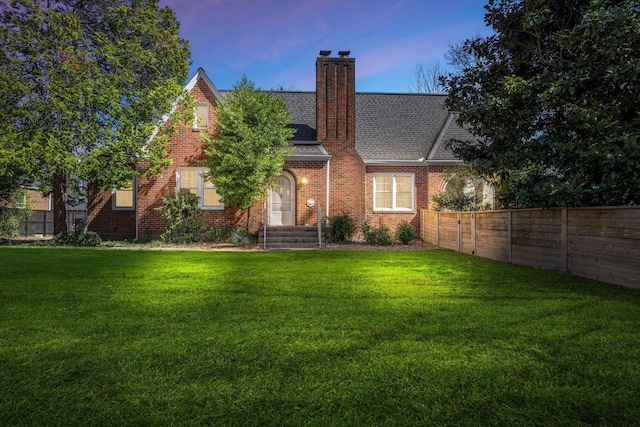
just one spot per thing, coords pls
(554, 99)
(248, 149)
(87, 80)
(427, 77)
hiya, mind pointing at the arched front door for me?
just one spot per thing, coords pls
(282, 201)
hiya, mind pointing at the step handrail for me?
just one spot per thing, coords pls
(319, 225)
(265, 216)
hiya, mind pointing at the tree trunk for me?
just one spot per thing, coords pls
(248, 218)
(59, 204)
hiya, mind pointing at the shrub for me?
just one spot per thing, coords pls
(405, 233)
(454, 201)
(341, 228)
(9, 222)
(184, 218)
(10, 217)
(85, 238)
(380, 236)
(216, 233)
(460, 193)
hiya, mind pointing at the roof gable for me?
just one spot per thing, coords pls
(202, 75)
(451, 130)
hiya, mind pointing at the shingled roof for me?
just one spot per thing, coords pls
(390, 127)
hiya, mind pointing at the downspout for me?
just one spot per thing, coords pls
(135, 204)
(136, 214)
(327, 202)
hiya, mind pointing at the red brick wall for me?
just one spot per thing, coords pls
(428, 182)
(392, 219)
(435, 183)
(108, 223)
(316, 176)
(38, 202)
(185, 149)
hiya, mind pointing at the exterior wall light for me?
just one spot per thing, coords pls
(304, 181)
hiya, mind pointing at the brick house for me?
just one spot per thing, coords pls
(378, 156)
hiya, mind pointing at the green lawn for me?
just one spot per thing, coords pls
(120, 337)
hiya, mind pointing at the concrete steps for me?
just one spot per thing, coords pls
(290, 237)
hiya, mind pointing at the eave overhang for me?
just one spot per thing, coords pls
(322, 158)
(383, 162)
(443, 162)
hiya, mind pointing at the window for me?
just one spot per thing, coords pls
(193, 180)
(21, 200)
(124, 197)
(29, 198)
(201, 116)
(210, 196)
(393, 192)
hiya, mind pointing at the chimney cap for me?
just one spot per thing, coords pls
(344, 53)
(325, 53)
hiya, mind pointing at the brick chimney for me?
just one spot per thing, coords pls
(336, 97)
(336, 128)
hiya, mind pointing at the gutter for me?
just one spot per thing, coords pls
(135, 205)
(443, 162)
(318, 158)
(382, 162)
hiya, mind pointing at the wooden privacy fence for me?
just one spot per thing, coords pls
(598, 243)
(41, 223)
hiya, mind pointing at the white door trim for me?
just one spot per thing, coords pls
(287, 216)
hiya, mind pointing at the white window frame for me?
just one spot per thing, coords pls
(200, 188)
(196, 124)
(22, 203)
(394, 208)
(133, 197)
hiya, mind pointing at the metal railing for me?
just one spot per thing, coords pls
(319, 225)
(265, 222)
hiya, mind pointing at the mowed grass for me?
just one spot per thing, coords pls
(119, 337)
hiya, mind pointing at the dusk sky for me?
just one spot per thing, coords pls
(275, 43)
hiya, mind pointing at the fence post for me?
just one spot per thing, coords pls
(473, 234)
(459, 232)
(564, 244)
(510, 236)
